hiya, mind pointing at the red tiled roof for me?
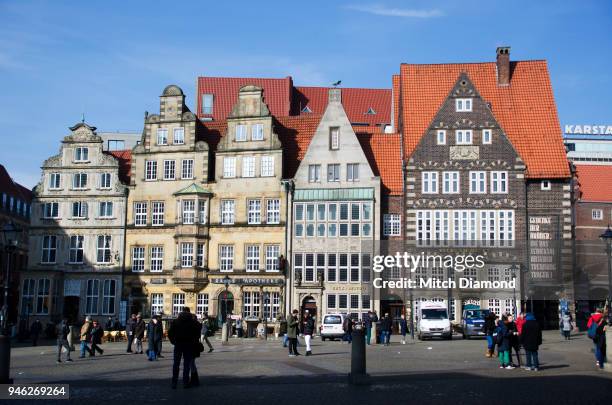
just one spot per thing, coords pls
(295, 134)
(595, 182)
(525, 109)
(12, 188)
(276, 93)
(125, 163)
(356, 102)
(384, 155)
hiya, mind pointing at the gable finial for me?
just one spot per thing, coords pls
(83, 117)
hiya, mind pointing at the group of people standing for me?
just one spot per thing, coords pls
(509, 335)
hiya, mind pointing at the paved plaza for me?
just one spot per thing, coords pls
(254, 371)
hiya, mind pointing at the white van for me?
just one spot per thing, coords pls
(433, 321)
(331, 327)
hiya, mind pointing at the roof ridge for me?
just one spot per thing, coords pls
(470, 63)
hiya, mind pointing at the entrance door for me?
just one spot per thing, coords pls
(71, 309)
(226, 306)
(393, 306)
(309, 304)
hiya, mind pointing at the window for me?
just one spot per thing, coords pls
(332, 269)
(79, 209)
(202, 304)
(331, 301)
(450, 183)
(76, 249)
(250, 300)
(254, 211)
(241, 133)
(115, 144)
(42, 296)
(545, 185)
(499, 182)
(441, 137)
(49, 249)
(229, 167)
(226, 257)
(81, 154)
(463, 137)
(478, 182)
(342, 301)
(104, 249)
(272, 255)
(227, 212)
(140, 213)
(252, 258)
(273, 211)
(429, 183)
(51, 210)
(355, 268)
(391, 226)
(157, 303)
(267, 166)
(487, 136)
(106, 209)
(179, 136)
(207, 103)
(162, 136)
(54, 181)
(188, 211)
(105, 180)
(333, 172)
(334, 138)
(109, 291)
(343, 268)
(200, 255)
(178, 302)
(138, 258)
(93, 294)
(157, 258)
(272, 305)
(151, 170)
(354, 301)
(248, 166)
(463, 104)
(597, 214)
(257, 132)
(186, 254)
(203, 214)
(309, 273)
(187, 169)
(169, 169)
(27, 296)
(494, 306)
(157, 213)
(79, 180)
(352, 172)
(314, 173)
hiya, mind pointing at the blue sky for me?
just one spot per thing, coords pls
(111, 59)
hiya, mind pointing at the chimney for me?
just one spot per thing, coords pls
(335, 95)
(503, 66)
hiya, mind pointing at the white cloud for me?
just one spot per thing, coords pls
(380, 9)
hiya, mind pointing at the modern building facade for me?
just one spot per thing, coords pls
(589, 144)
(119, 141)
(77, 233)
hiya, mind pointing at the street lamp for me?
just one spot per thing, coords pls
(607, 238)
(266, 295)
(10, 242)
(514, 269)
(225, 325)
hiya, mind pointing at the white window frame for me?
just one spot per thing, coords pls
(51, 210)
(272, 255)
(49, 249)
(248, 166)
(228, 212)
(92, 296)
(158, 209)
(451, 183)
(463, 104)
(188, 212)
(392, 224)
(597, 214)
(157, 303)
(76, 249)
(487, 136)
(106, 181)
(257, 132)
(352, 172)
(478, 182)
(464, 136)
(333, 175)
(109, 296)
(162, 136)
(429, 182)
(140, 213)
(170, 169)
(106, 249)
(79, 181)
(103, 209)
(441, 137)
(334, 138)
(178, 303)
(186, 254)
(267, 166)
(178, 136)
(254, 211)
(55, 181)
(150, 170)
(157, 259)
(314, 173)
(229, 167)
(499, 181)
(252, 258)
(273, 211)
(187, 169)
(226, 258)
(202, 302)
(545, 185)
(241, 133)
(81, 154)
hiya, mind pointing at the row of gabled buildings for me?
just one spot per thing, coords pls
(273, 196)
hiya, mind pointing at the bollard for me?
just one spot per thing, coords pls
(607, 364)
(358, 375)
(224, 334)
(5, 359)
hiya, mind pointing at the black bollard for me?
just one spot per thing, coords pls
(5, 359)
(358, 375)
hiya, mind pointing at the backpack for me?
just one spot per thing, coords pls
(592, 332)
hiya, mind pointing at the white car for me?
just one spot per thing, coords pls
(331, 328)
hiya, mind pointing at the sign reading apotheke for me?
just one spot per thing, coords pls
(251, 281)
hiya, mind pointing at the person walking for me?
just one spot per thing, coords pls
(63, 331)
(96, 338)
(515, 343)
(489, 331)
(531, 339)
(308, 329)
(108, 326)
(567, 324)
(205, 331)
(596, 327)
(239, 329)
(403, 326)
(385, 330)
(129, 330)
(154, 336)
(348, 329)
(117, 325)
(283, 330)
(35, 330)
(292, 333)
(139, 330)
(183, 334)
(84, 337)
(367, 324)
(503, 343)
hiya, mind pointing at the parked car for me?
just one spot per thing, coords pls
(433, 321)
(472, 321)
(331, 327)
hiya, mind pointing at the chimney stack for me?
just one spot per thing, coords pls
(503, 65)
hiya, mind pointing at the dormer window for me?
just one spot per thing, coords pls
(487, 136)
(81, 154)
(371, 111)
(463, 104)
(257, 132)
(241, 133)
(334, 138)
(306, 110)
(463, 137)
(179, 136)
(207, 103)
(545, 185)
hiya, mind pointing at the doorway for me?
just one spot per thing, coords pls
(226, 306)
(71, 309)
(309, 304)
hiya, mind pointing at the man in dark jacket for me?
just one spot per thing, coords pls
(385, 330)
(515, 344)
(154, 336)
(367, 324)
(63, 330)
(96, 338)
(292, 332)
(531, 339)
(129, 330)
(308, 329)
(184, 333)
(35, 330)
(108, 326)
(489, 331)
(139, 330)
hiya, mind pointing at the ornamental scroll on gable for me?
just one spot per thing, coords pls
(250, 103)
(82, 132)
